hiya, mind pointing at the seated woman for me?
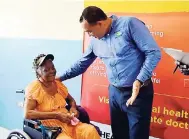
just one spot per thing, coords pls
(46, 100)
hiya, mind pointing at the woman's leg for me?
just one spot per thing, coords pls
(86, 131)
(63, 136)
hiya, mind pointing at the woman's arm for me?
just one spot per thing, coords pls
(31, 113)
(73, 106)
(71, 101)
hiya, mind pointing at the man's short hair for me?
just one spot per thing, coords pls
(92, 14)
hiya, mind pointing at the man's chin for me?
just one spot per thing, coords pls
(99, 37)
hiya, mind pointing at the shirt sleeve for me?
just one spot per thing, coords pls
(146, 44)
(33, 92)
(81, 65)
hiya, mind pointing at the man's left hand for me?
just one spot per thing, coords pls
(135, 92)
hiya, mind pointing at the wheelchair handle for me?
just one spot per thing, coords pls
(20, 91)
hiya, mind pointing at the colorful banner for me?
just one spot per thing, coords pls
(170, 114)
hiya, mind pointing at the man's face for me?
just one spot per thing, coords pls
(97, 30)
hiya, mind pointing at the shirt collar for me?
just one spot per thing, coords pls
(114, 19)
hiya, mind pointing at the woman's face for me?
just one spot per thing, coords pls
(47, 71)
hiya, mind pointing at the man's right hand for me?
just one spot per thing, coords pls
(183, 68)
(65, 117)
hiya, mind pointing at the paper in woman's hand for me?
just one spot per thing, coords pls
(74, 120)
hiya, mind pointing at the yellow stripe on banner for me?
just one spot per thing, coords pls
(139, 6)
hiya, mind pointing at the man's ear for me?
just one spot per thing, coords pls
(100, 23)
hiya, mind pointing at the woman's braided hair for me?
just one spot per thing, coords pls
(36, 63)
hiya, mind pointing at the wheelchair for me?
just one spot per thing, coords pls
(34, 129)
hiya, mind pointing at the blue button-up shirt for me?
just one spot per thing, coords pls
(128, 51)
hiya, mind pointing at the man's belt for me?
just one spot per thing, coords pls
(146, 83)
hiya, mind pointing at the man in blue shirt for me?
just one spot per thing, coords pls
(130, 54)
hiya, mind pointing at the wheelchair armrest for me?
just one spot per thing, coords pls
(32, 122)
(40, 131)
(53, 128)
(83, 115)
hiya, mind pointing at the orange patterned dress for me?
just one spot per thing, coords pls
(57, 103)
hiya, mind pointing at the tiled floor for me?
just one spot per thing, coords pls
(3, 133)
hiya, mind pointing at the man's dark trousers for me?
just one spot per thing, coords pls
(130, 122)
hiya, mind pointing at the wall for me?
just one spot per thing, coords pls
(41, 19)
(28, 28)
(133, 6)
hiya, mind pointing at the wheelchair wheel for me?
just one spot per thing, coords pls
(18, 134)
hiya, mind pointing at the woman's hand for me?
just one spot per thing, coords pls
(74, 111)
(65, 117)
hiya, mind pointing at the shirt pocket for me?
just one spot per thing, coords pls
(122, 44)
